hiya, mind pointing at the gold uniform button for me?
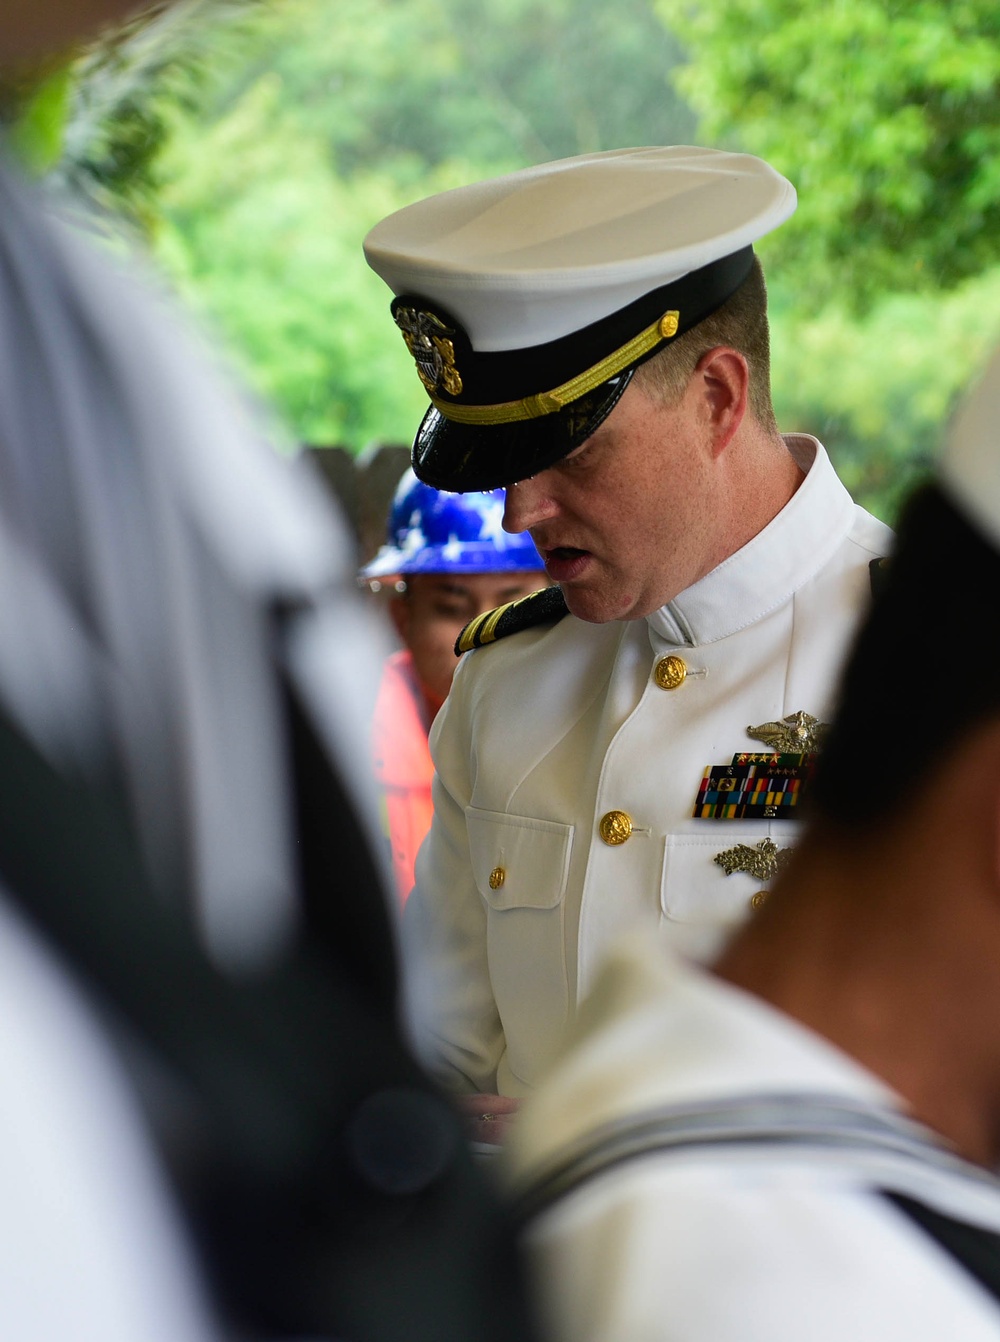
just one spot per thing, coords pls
(670, 672)
(497, 877)
(758, 899)
(615, 827)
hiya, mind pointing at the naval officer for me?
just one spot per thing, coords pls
(628, 749)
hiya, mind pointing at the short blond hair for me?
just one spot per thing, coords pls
(742, 324)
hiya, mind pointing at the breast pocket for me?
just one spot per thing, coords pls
(713, 879)
(520, 866)
(518, 862)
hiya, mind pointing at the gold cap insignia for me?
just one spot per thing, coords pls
(797, 733)
(426, 338)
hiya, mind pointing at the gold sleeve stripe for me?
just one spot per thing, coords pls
(547, 402)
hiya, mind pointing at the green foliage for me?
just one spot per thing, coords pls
(37, 137)
(344, 112)
(878, 390)
(885, 114)
(256, 144)
(118, 98)
(503, 83)
(266, 241)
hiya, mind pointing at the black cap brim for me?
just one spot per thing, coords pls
(457, 452)
(464, 457)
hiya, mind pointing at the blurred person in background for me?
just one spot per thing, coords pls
(210, 1124)
(803, 1143)
(452, 561)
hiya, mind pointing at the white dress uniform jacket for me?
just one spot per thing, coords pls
(517, 895)
(727, 1245)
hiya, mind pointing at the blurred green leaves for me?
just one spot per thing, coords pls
(37, 137)
(265, 240)
(254, 145)
(343, 112)
(879, 389)
(886, 115)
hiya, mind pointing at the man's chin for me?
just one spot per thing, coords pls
(597, 607)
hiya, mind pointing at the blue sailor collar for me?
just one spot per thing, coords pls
(769, 569)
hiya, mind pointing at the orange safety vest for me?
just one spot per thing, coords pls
(403, 767)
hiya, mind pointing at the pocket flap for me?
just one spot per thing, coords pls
(518, 862)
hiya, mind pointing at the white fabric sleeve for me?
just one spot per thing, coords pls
(658, 1253)
(452, 1012)
(91, 1247)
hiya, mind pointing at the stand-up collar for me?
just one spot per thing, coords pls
(765, 572)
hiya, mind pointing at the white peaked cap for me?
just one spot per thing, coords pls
(528, 301)
(970, 464)
(529, 257)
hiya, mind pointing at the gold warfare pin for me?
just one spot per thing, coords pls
(798, 732)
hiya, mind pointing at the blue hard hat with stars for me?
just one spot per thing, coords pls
(431, 531)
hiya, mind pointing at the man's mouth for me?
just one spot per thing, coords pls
(563, 552)
(564, 562)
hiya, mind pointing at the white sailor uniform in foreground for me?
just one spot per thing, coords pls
(730, 1245)
(547, 733)
(92, 1246)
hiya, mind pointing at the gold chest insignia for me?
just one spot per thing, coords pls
(797, 733)
(763, 862)
(426, 338)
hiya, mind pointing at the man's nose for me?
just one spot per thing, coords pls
(528, 503)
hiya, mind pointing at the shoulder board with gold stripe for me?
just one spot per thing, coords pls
(544, 607)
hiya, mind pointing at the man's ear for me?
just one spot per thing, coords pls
(725, 381)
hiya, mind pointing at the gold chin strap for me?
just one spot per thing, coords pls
(547, 402)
